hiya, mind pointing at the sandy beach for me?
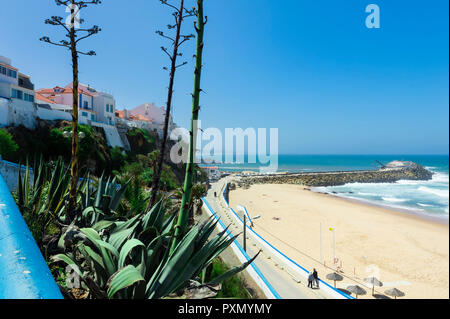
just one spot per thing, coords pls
(402, 250)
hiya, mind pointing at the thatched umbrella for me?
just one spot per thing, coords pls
(357, 290)
(394, 292)
(375, 282)
(335, 277)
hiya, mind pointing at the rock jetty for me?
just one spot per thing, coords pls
(390, 173)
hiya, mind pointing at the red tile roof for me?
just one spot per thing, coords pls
(42, 98)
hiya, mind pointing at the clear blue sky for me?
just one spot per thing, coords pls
(310, 68)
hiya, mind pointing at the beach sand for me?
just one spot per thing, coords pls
(402, 250)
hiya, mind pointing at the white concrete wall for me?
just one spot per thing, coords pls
(10, 172)
(53, 115)
(22, 112)
(112, 134)
(100, 102)
(5, 90)
(4, 106)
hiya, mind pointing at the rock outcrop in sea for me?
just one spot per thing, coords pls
(390, 173)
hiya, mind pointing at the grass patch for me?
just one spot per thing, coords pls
(233, 287)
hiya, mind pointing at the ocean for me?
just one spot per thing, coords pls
(424, 197)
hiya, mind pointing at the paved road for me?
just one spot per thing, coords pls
(284, 284)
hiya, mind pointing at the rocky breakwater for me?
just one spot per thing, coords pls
(390, 173)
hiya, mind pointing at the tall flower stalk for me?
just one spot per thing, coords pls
(183, 216)
(179, 15)
(75, 35)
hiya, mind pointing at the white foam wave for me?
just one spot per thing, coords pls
(438, 192)
(406, 182)
(394, 200)
(367, 194)
(424, 205)
(440, 178)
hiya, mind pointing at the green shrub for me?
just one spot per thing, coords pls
(233, 287)
(118, 158)
(8, 147)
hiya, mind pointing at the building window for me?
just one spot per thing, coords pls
(28, 97)
(111, 108)
(107, 107)
(92, 117)
(16, 94)
(2, 70)
(12, 73)
(86, 104)
(84, 114)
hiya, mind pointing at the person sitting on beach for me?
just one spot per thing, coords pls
(310, 280)
(316, 278)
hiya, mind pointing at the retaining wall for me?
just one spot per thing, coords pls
(24, 274)
(10, 172)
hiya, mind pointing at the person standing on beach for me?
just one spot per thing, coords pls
(310, 280)
(316, 277)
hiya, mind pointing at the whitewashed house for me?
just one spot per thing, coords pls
(63, 96)
(146, 116)
(94, 108)
(17, 97)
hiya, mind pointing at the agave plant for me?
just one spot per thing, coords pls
(100, 202)
(42, 199)
(132, 259)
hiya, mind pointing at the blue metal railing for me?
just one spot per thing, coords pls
(24, 273)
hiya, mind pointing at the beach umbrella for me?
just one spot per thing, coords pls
(394, 292)
(374, 282)
(335, 277)
(357, 290)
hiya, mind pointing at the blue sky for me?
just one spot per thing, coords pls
(310, 68)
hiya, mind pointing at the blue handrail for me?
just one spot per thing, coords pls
(24, 273)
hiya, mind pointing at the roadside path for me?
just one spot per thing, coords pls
(286, 286)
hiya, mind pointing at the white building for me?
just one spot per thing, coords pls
(146, 116)
(17, 96)
(94, 106)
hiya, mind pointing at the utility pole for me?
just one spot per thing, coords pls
(334, 245)
(321, 259)
(245, 233)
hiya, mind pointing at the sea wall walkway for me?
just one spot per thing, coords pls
(24, 273)
(284, 278)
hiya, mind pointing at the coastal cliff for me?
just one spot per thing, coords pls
(390, 173)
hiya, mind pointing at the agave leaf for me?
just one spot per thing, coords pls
(206, 231)
(151, 216)
(127, 249)
(199, 261)
(124, 225)
(117, 196)
(90, 255)
(66, 259)
(20, 194)
(175, 264)
(104, 224)
(232, 272)
(118, 238)
(100, 190)
(168, 224)
(104, 248)
(124, 278)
